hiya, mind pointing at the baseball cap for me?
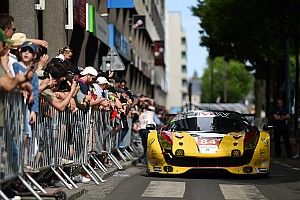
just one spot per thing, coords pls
(102, 80)
(89, 70)
(3, 38)
(30, 45)
(18, 39)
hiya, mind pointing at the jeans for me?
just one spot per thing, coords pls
(123, 134)
(144, 136)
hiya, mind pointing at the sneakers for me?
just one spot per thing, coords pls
(66, 162)
(29, 169)
(81, 179)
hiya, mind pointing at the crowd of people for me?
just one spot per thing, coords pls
(26, 66)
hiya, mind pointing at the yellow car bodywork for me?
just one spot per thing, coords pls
(185, 147)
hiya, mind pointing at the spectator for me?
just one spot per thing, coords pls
(280, 117)
(65, 53)
(7, 24)
(27, 55)
(147, 116)
(18, 39)
(101, 91)
(84, 96)
(8, 83)
(123, 84)
(48, 86)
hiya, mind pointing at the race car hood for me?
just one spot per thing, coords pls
(208, 144)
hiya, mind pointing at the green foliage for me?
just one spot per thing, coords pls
(249, 31)
(239, 81)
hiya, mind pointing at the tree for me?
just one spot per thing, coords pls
(256, 32)
(239, 82)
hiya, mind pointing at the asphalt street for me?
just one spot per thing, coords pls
(134, 183)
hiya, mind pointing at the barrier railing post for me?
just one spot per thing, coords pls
(55, 133)
(3, 196)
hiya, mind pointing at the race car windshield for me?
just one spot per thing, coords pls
(216, 124)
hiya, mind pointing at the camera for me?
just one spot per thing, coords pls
(45, 75)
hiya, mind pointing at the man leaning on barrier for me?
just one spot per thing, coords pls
(49, 85)
(85, 96)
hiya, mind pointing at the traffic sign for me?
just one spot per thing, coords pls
(112, 61)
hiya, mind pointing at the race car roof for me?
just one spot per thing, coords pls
(211, 113)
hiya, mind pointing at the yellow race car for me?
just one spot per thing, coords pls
(210, 140)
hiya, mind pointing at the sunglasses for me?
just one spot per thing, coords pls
(25, 49)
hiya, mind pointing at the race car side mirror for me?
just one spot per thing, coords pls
(164, 127)
(150, 127)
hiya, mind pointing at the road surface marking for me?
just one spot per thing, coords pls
(165, 189)
(295, 168)
(241, 192)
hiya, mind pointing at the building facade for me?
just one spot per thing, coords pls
(92, 27)
(176, 63)
(196, 89)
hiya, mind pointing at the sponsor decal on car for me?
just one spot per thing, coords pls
(151, 141)
(157, 169)
(208, 145)
(262, 170)
(207, 114)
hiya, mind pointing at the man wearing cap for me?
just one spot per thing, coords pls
(87, 78)
(101, 91)
(101, 87)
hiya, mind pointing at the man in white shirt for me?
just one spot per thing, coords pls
(148, 116)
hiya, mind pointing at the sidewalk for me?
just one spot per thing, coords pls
(83, 188)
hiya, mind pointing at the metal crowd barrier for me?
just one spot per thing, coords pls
(103, 134)
(59, 139)
(11, 138)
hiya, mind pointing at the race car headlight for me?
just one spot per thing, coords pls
(179, 152)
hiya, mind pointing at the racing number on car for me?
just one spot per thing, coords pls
(209, 141)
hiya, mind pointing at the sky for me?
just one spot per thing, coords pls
(196, 55)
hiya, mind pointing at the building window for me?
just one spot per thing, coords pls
(183, 55)
(183, 41)
(184, 96)
(183, 69)
(184, 83)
